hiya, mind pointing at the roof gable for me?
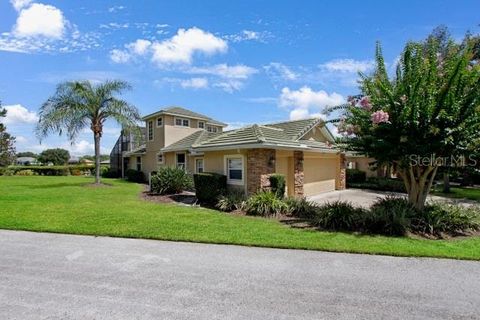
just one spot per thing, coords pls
(182, 112)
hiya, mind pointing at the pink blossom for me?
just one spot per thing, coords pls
(380, 117)
(365, 103)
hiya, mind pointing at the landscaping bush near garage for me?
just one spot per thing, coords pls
(265, 204)
(356, 176)
(51, 170)
(392, 216)
(380, 184)
(209, 187)
(170, 180)
(278, 185)
(233, 200)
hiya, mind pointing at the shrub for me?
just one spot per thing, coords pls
(301, 207)
(356, 176)
(390, 216)
(233, 200)
(8, 172)
(453, 219)
(134, 176)
(265, 204)
(339, 215)
(209, 186)
(277, 185)
(25, 173)
(110, 173)
(170, 180)
(55, 170)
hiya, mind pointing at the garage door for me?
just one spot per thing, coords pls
(320, 174)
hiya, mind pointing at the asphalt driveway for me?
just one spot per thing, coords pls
(52, 276)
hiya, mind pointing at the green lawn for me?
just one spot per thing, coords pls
(68, 205)
(461, 193)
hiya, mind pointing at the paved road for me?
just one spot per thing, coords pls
(48, 276)
(365, 198)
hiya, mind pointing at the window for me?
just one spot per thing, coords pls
(181, 161)
(159, 122)
(150, 130)
(199, 165)
(182, 122)
(211, 129)
(201, 124)
(234, 169)
(160, 158)
(139, 163)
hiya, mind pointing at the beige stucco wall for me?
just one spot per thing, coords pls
(314, 134)
(284, 165)
(214, 161)
(321, 171)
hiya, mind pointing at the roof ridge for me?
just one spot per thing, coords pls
(290, 121)
(308, 128)
(258, 133)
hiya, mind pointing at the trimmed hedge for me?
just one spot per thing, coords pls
(356, 176)
(277, 185)
(209, 186)
(133, 175)
(55, 170)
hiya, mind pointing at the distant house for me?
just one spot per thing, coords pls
(87, 162)
(26, 161)
(303, 151)
(105, 162)
(73, 160)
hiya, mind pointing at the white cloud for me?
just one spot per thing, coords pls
(223, 70)
(41, 27)
(195, 83)
(40, 20)
(116, 8)
(249, 35)
(280, 71)
(21, 139)
(18, 114)
(305, 102)
(348, 65)
(182, 46)
(20, 4)
(140, 46)
(120, 56)
(114, 25)
(229, 78)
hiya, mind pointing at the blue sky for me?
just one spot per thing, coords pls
(240, 62)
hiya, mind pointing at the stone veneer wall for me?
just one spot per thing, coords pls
(299, 175)
(342, 173)
(259, 169)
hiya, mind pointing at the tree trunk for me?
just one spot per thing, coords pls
(97, 136)
(418, 182)
(446, 181)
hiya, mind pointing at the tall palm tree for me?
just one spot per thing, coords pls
(78, 104)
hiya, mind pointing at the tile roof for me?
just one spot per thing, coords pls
(187, 142)
(296, 128)
(282, 135)
(179, 111)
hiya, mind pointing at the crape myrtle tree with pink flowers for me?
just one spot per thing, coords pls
(423, 117)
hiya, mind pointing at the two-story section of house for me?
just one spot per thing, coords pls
(164, 128)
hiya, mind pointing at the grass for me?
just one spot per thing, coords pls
(69, 205)
(461, 193)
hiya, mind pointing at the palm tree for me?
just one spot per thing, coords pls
(78, 104)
